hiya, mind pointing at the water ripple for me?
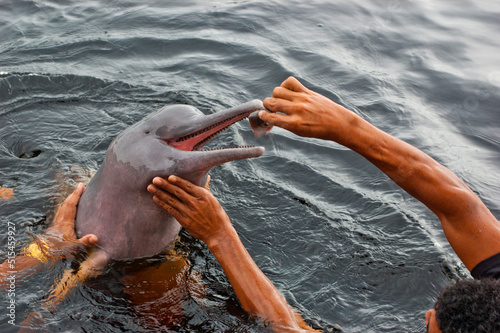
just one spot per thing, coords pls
(343, 244)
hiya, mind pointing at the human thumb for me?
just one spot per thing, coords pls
(271, 119)
(265, 116)
(89, 240)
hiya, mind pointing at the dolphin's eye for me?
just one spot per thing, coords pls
(147, 131)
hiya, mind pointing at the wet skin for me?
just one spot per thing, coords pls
(471, 229)
(60, 239)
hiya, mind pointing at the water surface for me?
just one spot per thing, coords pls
(344, 245)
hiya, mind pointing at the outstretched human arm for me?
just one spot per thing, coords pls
(471, 229)
(59, 241)
(199, 212)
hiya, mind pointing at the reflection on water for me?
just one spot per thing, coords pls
(341, 242)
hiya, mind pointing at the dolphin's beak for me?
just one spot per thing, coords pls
(196, 136)
(200, 162)
(203, 129)
(207, 159)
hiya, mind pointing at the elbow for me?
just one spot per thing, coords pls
(459, 201)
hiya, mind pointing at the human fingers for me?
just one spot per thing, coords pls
(170, 188)
(284, 93)
(281, 105)
(169, 203)
(185, 185)
(169, 197)
(159, 182)
(293, 84)
(73, 198)
(274, 119)
(66, 244)
(67, 211)
(171, 206)
(164, 195)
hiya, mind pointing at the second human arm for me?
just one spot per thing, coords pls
(59, 241)
(471, 229)
(199, 212)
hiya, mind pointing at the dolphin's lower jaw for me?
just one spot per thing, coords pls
(207, 159)
(212, 125)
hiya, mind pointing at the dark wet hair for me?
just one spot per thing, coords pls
(469, 306)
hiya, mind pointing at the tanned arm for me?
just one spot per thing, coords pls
(199, 212)
(471, 229)
(59, 241)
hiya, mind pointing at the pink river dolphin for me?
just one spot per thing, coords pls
(116, 205)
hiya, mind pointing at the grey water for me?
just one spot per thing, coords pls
(348, 249)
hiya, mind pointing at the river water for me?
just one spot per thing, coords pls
(346, 247)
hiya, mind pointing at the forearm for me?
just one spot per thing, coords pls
(307, 113)
(257, 295)
(197, 210)
(471, 229)
(413, 170)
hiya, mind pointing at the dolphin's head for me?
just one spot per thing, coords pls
(170, 141)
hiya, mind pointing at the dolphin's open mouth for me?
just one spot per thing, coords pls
(195, 140)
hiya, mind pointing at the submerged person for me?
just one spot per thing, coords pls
(471, 229)
(59, 241)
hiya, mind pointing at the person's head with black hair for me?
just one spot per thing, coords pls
(467, 306)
